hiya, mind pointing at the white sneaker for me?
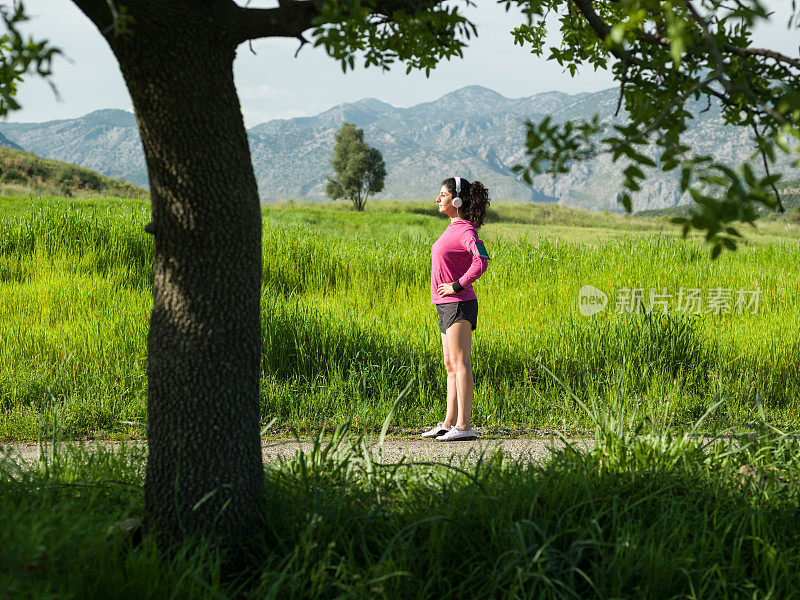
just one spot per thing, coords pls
(458, 435)
(440, 429)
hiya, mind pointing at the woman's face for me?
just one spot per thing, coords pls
(445, 202)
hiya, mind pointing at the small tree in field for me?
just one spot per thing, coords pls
(359, 167)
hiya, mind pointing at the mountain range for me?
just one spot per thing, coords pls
(472, 132)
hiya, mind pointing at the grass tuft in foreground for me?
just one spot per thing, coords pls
(652, 515)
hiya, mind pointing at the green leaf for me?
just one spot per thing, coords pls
(733, 231)
(617, 33)
(686, 175)
(645, 160)
(625, 199)
(676, 50)
(669, 165)
(749, 177)
(634, 172)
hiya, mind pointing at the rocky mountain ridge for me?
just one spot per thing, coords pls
(473, 132)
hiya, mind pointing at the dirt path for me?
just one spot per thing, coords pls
(414, 449)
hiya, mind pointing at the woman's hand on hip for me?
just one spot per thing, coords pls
(445, 289)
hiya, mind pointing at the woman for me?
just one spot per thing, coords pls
(458, 258)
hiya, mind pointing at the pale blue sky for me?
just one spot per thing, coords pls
(273, 84)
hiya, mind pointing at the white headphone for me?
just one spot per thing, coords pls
(457, 202)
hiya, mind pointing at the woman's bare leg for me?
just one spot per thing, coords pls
(452, 404)
(458, 344)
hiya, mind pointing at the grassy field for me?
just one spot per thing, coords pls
(649, 512)
(347, 319)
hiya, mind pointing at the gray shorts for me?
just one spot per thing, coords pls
(450, 312)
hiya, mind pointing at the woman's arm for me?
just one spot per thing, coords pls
(480, 262)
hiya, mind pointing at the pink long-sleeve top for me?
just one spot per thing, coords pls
(455, 256)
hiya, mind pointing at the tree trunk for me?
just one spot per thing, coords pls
(204, 471)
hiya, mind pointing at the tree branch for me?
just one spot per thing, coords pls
(781, 58)
(600, 27)
(712, 44)
(292, 17)
(766, 169)
(721, 63)
(679, 101)
(303, 42)
(621, 90)
(662, 40)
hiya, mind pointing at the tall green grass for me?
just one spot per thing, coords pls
(347, 321)
(644, 514)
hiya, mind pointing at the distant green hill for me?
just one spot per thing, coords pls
(23, 172)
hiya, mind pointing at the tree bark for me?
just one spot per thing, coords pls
(204, 471)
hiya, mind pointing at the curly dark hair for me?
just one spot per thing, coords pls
(475, 197)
